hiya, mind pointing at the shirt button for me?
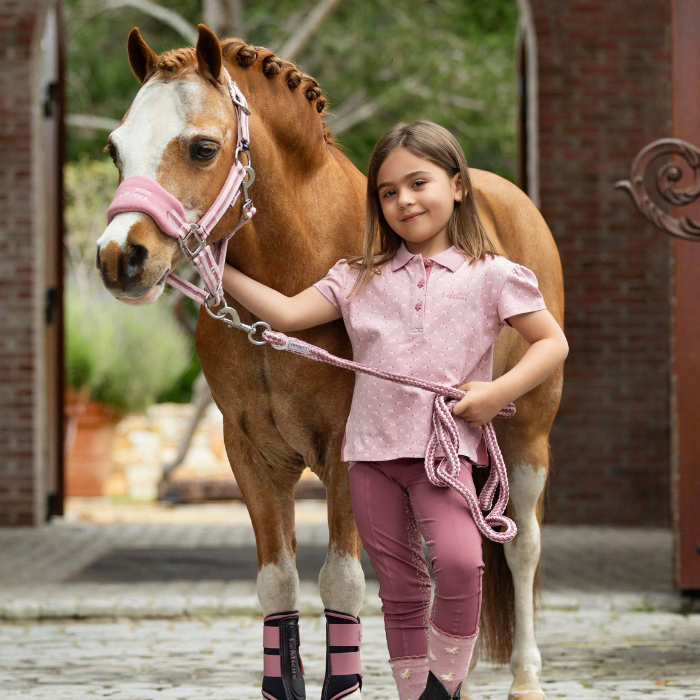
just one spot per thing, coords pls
(419, 306)
(421, 284)
(427, 263)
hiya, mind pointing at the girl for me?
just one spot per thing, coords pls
(426, 298)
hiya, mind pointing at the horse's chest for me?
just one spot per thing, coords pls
(279, 401)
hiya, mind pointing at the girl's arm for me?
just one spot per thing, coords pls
(548, 349)
(306, 309)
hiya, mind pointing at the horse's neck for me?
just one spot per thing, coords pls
(296, 233)
(288, 245)
(285, 118)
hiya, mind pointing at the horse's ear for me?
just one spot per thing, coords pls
(141, 56)
(209, 58)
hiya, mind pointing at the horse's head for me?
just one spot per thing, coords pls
(181, 131)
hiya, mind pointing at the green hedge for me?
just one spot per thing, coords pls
(123, 355)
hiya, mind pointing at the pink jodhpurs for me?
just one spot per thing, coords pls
(394, 504)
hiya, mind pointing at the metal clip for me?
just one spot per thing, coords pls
(234, 320)
(232, 91)
(254, 328)
(189, 253)
(247, 201)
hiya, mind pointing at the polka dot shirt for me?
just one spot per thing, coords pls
(436, 319)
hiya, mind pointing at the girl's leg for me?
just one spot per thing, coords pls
(390, 535)
(455, 550)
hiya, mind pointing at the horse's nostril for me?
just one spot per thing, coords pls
(136, 261)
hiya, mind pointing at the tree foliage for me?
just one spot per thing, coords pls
(378, 61)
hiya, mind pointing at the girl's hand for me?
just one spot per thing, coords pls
(482, 402)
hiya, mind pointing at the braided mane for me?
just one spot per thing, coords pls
(246, 55)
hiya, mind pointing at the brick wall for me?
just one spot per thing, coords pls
(604, 93)
(21, 489)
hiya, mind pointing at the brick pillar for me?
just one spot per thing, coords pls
(604, 69)
(21, 273)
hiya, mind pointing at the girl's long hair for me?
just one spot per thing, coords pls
(465, 230)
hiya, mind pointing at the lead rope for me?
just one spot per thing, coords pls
(444, 432)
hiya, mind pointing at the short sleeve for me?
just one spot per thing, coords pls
(333, 285)
(520, 294)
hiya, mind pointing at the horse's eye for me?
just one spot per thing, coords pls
(203, 151)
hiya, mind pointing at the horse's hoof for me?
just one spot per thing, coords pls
(527, 695)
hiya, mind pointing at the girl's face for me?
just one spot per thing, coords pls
(417, 196)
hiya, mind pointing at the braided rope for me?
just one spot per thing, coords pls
(444, 434)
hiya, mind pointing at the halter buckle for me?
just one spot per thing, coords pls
(184, 246)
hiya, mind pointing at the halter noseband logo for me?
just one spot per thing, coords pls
(140, 192)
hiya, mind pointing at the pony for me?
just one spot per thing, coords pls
(282, 413)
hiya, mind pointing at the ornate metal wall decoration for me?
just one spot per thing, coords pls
(667, 175)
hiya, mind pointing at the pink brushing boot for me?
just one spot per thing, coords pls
(343, 667)
(410, 674)
(448, 660)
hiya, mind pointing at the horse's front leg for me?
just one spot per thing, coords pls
(342, 588)
(527, 482)
(269, 497)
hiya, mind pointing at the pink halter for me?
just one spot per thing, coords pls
(143, 194)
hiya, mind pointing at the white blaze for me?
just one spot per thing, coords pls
(157, 116)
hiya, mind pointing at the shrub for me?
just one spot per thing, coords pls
(89, 188)
(122, 355)
(125, 356)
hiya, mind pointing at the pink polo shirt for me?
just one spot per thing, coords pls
(436, 319)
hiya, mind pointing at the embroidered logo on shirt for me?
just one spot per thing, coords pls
(456, 295)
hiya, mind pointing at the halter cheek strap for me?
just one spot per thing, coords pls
(143, 194)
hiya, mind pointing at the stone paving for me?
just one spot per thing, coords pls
(585, 656)
(611, 625)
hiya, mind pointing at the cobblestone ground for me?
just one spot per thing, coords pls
(74, 624)
(591, 656)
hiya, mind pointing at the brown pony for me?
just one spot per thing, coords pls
(283, 413)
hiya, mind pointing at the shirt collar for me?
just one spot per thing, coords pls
(450, 258)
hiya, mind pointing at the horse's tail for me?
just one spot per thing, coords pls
(497, 622)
